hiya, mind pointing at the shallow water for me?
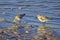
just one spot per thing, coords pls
(32, 8)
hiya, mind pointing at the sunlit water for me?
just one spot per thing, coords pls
(32, 8)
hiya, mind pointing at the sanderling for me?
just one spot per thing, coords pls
(43, 19)
(18, 17)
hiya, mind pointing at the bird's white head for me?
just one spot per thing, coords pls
(39, 16)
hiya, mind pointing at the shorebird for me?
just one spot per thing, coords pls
(18, 17)
(43, 19)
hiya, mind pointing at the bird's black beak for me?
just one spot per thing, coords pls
(23, 15)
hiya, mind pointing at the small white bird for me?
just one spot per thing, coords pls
(43, 19)
(18, 17)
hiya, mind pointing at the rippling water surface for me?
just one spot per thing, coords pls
(32, 8)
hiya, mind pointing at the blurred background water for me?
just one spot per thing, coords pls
(32, 8)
